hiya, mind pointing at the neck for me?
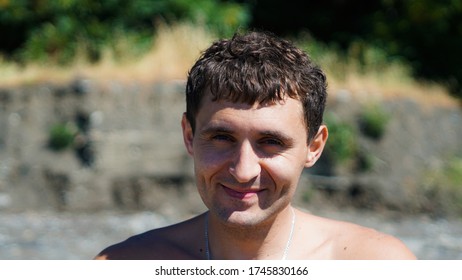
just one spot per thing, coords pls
(267, 240)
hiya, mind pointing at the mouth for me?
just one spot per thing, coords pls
(241, 194)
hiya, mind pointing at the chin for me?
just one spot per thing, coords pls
(241, 218)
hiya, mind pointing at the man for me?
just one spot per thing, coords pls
(253, 122)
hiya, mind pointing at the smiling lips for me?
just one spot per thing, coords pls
(244, 194)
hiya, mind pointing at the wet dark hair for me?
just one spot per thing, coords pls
(257, 67)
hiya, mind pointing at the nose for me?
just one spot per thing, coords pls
(246, 163)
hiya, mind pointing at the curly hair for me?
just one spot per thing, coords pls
(257, 67)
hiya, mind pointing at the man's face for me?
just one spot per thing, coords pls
(248, 159)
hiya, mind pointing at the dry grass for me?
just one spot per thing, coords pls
(370, 88)
(175, 48)
(374, 83)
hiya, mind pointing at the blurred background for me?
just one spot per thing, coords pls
(91, 96)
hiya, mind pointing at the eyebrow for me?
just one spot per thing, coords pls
(216, 128)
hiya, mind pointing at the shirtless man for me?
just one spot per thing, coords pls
(253, 122)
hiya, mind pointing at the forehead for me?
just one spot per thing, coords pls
(287, 113)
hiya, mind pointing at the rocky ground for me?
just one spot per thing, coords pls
(71, 236)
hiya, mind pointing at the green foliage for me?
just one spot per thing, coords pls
(56, 31)
(342, 143)
(61, 136)
(224, 17)
(454, 172)
(360, 59)
(365, 161)
(368, 58)
(320, 52)
(427, 34)
(442, 188)
(373, 121)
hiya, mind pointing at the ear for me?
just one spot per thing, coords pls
(188, 135)
(316, 146)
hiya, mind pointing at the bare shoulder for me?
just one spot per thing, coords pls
(178, 241)
(345, 240)
(366, 243)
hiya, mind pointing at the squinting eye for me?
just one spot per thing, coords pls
(273, 142)
(221, 137)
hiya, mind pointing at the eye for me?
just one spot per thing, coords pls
(272, 142)
(222, 137)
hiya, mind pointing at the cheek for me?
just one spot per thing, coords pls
(208, 161)
(285, 171)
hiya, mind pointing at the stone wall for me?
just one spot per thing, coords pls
(419, 141)
(129, 151)
(132, 137)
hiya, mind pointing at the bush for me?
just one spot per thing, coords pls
(56, 31)
(61, 136)
(442, 190)
(342, 143)
(373, 121)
